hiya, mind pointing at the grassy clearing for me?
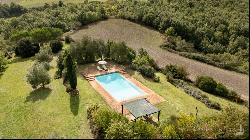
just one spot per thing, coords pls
(178, 101)
(35, 3)
(51, 112)
(42, 113)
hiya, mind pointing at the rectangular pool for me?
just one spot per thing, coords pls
(119, 87)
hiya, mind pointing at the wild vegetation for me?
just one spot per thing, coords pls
(217, 29)
(111, 125)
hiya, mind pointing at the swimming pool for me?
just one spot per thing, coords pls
(119, 87)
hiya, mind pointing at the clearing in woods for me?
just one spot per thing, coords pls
(137, 36)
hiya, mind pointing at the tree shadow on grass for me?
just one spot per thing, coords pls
(74, 104)
(38, 94)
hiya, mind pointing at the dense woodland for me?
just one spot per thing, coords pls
(215, 32)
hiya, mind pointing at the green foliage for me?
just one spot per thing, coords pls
(44, 55)
(170, 31)
(38, 76)
(60, 66)
(147, 71)
(175, 71)
(119, 130)
(206, 84)
(144, 130)
(25, 48)
(56, 45)
(3, 63)
(11, 10)
(221, 90)
(70, 66)
(45, 34)
(68, 39)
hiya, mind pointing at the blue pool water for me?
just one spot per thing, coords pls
(118, 87)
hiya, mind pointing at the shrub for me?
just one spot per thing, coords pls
(144, 130)
(3, 63)
(147, 71)
(221, 90)
(68, 39)
(60, 66)
(175, 71)
(38, 76)
(170, 31)
(169, 132)
(25, 48)
(46, 65)
(45, 55)
(119, 130)
(103, 118)
(56, 45)
(206, 84)
(156, 79)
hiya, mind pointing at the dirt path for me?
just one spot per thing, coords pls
(137, 36)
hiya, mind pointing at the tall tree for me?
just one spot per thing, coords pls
(70, 65)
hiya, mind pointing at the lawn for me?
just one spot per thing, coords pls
(51, 112)
(42, 113)
(177, 101)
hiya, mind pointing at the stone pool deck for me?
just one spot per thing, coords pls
(91, 71)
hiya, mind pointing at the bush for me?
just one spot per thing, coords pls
(221, 90)
(56, 46)
(46, 65)
(3, 63)
(144, 130)
(103, 118)
(45, 55)
(175, 71)
(38, 76)
(169, 132)
(206, 84)
(156, 79)
(60, 66)
(68, 39)
(147, 71)
(119, 130)
(25, 48)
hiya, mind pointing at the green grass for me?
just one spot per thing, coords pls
(42, 113)
(178, 101)
(35, 3)
(51, 112)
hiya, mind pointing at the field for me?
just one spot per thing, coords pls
(42, 113)
(137, 36)
(34, 3)
(52, 113)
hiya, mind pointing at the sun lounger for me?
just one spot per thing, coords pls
(99, 68)
(104, 67)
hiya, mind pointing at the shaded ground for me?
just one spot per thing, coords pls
(137, 36)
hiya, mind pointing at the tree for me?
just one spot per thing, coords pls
(70, 66)
(45, 55)
(25, 48)
(45, 34)
(38, 76)
(56, 46)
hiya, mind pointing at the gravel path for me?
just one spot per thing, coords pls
(137, 36)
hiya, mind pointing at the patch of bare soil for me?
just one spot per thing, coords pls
(137, 36)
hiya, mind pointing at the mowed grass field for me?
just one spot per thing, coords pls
(35, 3)
(43, 113)
(52, 113)
(137, 36)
